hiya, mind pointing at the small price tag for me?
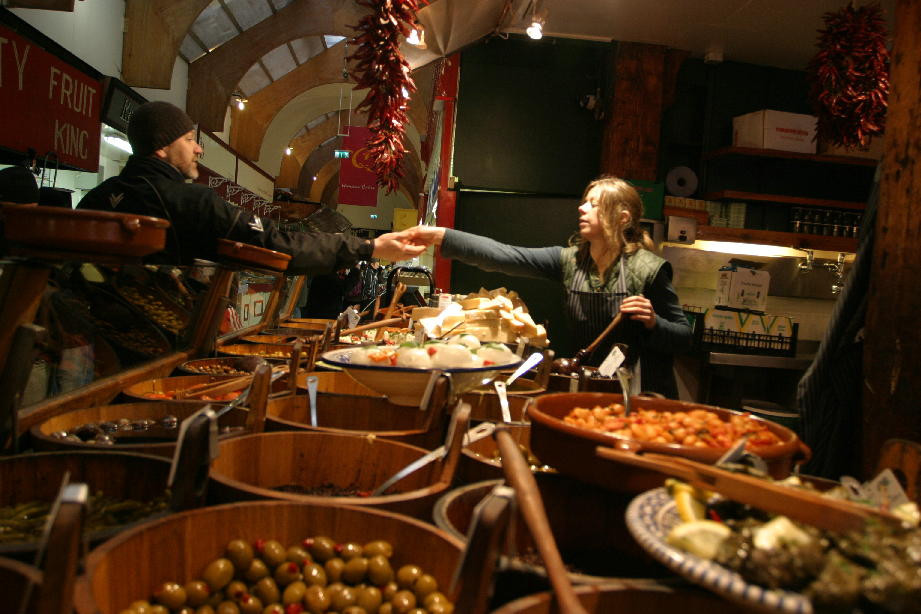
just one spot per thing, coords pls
(352, 315)
(885, 490)
(419, 334)
(612, 361)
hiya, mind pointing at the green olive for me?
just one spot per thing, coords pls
(378, 547)
(386, 608)
(334, 588)
(314, 574)
(354, 609)
(344, 598)
(204, 609)
(216, 598)
(186, 610)
(316, 599)
(433, 598)
(274, 608)
(390, 589)
(227, 607)
(240, 553)
(257, 570)
(158, 608)
(171, 595)
(287, 572)
(441, 607)
(273, 553)
(417, 611)
(250, 604)
(297, 554)
(355, 570)
(140, 606)
(267, 590)
(322, 548)
(235, 590)
(197, 593)
(349, 550)
(407, 575)
(294, 592)
(403, 601)
(218, 573)
(334, 567)
(379, 570)
(369, 597)
(424, 585)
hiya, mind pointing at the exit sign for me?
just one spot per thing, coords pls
(343, 153)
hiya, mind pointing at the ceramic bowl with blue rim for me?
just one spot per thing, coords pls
(650, 517)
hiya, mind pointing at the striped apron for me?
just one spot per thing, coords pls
(591, 312)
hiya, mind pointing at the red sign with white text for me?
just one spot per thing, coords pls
(357, 184)
(47, 104)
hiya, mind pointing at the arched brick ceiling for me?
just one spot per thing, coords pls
(213, 77)
(248, 128)
(303, 144)
(317, 159)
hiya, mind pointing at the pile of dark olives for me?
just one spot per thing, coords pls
(105, 433)
(317, 575)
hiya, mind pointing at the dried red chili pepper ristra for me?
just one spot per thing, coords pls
(380, 68)
(849, 76)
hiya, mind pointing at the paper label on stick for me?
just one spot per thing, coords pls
(612, 361)
(352, 315)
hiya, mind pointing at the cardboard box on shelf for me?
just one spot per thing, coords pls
(682, 229)
(742, 288)
(873, 151)
(769, 129)
(717, 319)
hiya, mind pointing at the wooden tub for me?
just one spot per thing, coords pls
(37, 477)
(43, 438)
(177, 548)
(253, 466)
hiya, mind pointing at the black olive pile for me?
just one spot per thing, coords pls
(154, 308)
(327, 489)
(25, 522)
(318, 575)
(105, 433)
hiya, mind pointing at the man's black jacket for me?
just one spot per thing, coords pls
(199, 217)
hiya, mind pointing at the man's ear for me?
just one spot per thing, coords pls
(160, 153)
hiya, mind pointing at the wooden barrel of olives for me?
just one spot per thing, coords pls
(587, 523)
(227, 365)
(125, 488)
(324, 468)
(348, 410)
(167, 388)
(149, 428)
(484, 402)
(193, 547)
(626, 596)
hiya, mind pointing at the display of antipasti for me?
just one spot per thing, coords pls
(458, 352)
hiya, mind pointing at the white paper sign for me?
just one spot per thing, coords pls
(352, 316)
(612, 361)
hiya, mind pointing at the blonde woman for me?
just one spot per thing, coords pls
(610, 266)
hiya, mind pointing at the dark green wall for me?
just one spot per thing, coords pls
(528, 221)
(519, 123)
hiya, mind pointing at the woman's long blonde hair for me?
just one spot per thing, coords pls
(617, 196)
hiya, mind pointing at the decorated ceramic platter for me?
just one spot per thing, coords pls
(651, 516)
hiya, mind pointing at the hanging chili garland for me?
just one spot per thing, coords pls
(849, 76)
(384, 72)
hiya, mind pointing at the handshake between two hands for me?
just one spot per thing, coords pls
(407, 243)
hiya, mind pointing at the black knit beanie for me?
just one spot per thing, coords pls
(17, 185)
(156, 124)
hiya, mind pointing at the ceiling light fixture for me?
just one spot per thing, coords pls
(538, 19)
(117, 141)
(288, 151)
(239, 100)
(417, 36)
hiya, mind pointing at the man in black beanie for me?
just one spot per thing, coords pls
(18, 186)
(165, 154)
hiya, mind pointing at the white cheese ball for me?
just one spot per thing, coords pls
(451, 356)
(465, 339)
(413, 357)
(497, 354)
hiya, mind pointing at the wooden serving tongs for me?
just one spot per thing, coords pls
(567, 366)
(805, 506)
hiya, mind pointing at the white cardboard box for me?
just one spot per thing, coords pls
(767, 129)
(743, 288)
(682, 229)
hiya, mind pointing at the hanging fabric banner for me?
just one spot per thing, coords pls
(357, 184)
